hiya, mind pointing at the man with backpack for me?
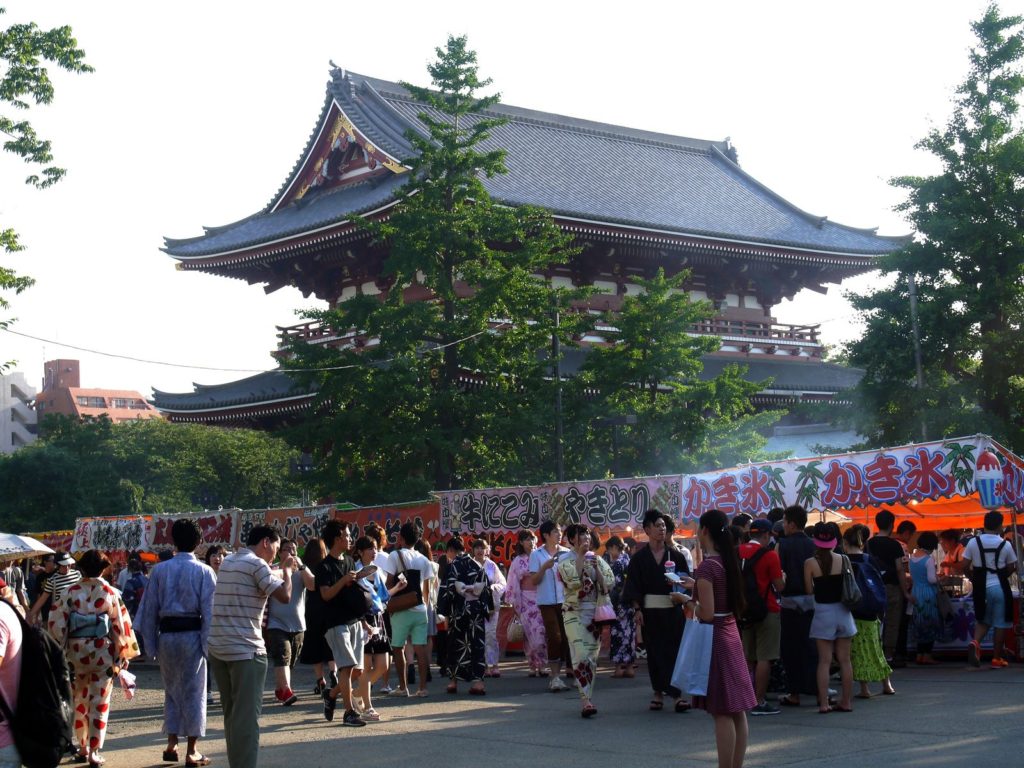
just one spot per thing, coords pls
(761, 622)
(991, 560)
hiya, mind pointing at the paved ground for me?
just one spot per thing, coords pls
(942, 716)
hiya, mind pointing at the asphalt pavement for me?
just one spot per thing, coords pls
(949, 715)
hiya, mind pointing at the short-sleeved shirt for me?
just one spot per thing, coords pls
(290, 616)
(345, 607)
(58, 584)
(10, 668)
(766, 570)
(412, 560)
(550, 590)
(244, 583)
(793, 551)
(889, 553)
(15, 578)
(990, 541)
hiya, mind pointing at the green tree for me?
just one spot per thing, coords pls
(450, 395)
(652, 371)
(968, 259)
(95, 467)
(25, 80)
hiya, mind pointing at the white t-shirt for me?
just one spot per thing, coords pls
(550, 590)
(990, 541)
(410, 559)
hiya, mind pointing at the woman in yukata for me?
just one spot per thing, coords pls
(521, 594)
(585, 577)
(93, 626)
(623, 632)
(468, 602)
(481, 553)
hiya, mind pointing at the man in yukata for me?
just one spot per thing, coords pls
(174, 618)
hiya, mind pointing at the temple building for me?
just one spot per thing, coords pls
(633, 200)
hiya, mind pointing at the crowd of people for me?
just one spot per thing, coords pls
(370, 622)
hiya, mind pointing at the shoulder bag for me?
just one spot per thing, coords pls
(851, 596)
(409, 596)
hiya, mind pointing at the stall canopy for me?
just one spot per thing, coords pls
(931, 483)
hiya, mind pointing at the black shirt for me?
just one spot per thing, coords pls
(795, 549)
(888, 552)
(351, 603)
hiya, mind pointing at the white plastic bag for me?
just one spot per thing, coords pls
(693, 662)
(127, 681)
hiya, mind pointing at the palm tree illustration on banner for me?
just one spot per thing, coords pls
(960, 460)
(776, 485)
(808, 476)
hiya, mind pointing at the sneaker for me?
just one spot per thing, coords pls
(332, 679)
(318, 689)
(352, 720)
(999, 663)
(765, 709)
(385, 689)
(371, 716)
(974, 654)
(329, 705)
(286, 696)
(557, 685)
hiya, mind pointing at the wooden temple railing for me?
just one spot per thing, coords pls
(743, 336)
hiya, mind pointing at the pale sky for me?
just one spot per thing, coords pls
(197, 111)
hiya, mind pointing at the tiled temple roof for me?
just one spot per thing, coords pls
(577, 169)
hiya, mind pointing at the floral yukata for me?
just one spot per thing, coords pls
(96, 660)
(466, 624)
(623, 632)
(581, 597)
(522, 596)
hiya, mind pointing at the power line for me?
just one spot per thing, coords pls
(236, 370)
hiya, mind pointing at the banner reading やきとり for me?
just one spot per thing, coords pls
(922, 471)
(603, 504)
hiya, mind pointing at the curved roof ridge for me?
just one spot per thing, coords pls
(555, 120)
(818, 221)
(394, 125)
(272, 375)
(314, 134)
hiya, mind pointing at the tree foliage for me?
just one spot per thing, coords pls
(96, 467)
(968, 259)
(653, 371)
(443, 399)
(24, 82)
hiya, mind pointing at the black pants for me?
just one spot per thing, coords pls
(799, 653)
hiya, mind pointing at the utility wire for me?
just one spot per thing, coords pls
(237, 370)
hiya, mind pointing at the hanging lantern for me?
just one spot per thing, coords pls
(988, 480)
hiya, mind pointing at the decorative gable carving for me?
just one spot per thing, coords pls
(342, 155)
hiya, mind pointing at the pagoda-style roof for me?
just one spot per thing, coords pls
(594, 177)
(272, 394)
(267, 394)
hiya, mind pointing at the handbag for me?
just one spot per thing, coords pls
(693, 661)
(851, 596)
(409, 597)
(604, 613)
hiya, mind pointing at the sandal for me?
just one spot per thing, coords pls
(170, 756)
(656, 705)
(475, 691)
(452, 688)
(825, 711)
(839, 708)
(197, 761)
(588, 711)
(787, 701)
(681, 706)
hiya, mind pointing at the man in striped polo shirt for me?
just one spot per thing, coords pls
(238, 656)
(56, 586)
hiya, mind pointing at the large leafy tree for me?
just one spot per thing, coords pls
(652, 371)
(95, 467)
(454, 394)
(25, 81)
(968, 260)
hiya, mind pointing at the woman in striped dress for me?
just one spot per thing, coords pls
(719, 591)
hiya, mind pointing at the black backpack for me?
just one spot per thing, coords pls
(42, 726)
(757, 602)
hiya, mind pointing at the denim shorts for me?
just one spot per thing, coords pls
(832, 621)
(995, 608)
